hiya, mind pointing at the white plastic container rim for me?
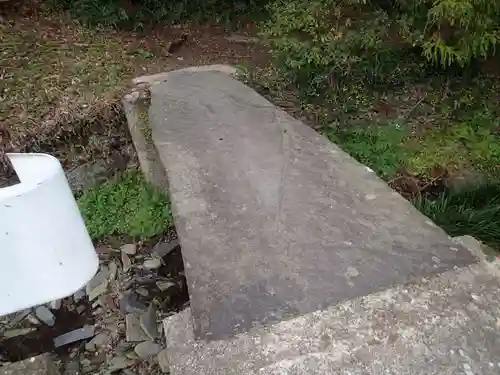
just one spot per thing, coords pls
(45, 249)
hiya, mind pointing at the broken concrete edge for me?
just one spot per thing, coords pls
(352, 325)
(162, 77)
(136, 106)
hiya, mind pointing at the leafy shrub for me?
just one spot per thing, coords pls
(342, 44)
(140, 13)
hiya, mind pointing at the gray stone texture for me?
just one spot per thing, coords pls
(41, 365)
(447, 324)
(274, 220)
(136, 104)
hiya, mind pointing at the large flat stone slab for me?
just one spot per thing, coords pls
(274, 220)
(447, 324)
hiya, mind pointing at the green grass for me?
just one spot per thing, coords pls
(389, 148)
(126, 205)
(469, 210)
(469, 143)
(379, 147)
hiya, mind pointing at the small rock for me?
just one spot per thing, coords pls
(74, 336)
(163, 361)
(165, 285)
(127, 284)
(99, 290)
(148, 323)
(45, 315)
(128, 372)
(130, 249)
(147, 349)
(113, 268)
(162, 249)
(123, 347)
(152, 264)
(129, 303)
(78, 295)
(18, 332)
(85, 176)
(19, 316)
(127, 263)
(133, 330)
(97, 280)
(56, 305)
(119, 363)
(100, 340)
(142, 291)
(132, 355)
(80, 309)
(33, 320)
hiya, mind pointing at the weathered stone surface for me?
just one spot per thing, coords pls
(134, 332)
(130, 249)
(79, 334)
(129, 303)
(165, 285)
(275, 221)
(162, 249)
(161, 77)
(152, 264)
(100, 340)
(126, 262)
(163, 361)
(55, 305)
(147, 349)
(78, 295)
(443, 325)
(100, 278)
(92, 173)
(18, 332)
(136, 105)
(149, 324)
(41, 365)
(45, 315)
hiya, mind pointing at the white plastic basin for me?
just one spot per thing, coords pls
(45, 250)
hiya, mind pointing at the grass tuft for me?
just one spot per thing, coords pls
(472, 209)
(125, 205)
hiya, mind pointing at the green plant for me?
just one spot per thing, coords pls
(125, 205)
(452, 31)
(470, 143)
(468, 210)
(141, 13)
(379, 147)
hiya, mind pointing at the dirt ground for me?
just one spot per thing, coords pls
(61, 84)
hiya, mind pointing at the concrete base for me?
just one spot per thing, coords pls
(444, 325)
(301, 261)
(274, 220)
